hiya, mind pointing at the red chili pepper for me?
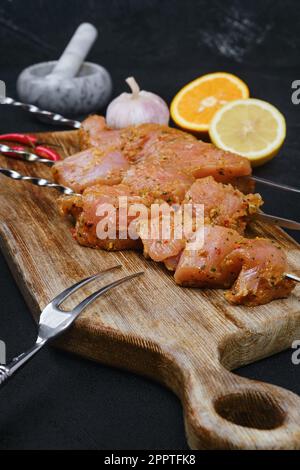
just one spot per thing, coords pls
(21, 138)
(46, 152)
(32, 141)
(25, 139)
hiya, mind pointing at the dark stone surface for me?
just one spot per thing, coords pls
(61, 401)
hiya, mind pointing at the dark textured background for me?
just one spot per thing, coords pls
(61, 401)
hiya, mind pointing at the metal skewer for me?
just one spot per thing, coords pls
(280, 221)
(68, 191)
(32, 157)
(42, 182)
(292, 276)
(47, 116)
(24, 155)
(272, 184)
(15, 175)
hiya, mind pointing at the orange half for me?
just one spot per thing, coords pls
(196, 103)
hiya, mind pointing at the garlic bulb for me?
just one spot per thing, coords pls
(138, 107)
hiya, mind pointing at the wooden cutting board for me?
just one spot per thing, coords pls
(188, 339)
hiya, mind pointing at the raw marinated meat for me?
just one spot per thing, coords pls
(223, 204)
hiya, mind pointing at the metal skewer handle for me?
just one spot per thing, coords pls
(27, 156)
(37, 181)
(47, 116)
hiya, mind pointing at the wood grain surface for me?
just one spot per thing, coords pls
(188, 339)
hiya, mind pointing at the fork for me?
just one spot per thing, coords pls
(55, 321)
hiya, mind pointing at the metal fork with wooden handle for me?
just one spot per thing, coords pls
(54, 321)
(42, 182)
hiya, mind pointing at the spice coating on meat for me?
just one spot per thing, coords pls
(97, 209)
(223, 204)
(150, 163)
(133, 154)
(253, 268)
(91, 167)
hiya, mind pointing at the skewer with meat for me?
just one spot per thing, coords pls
(146, 157)
(253, 268)
(107, 154)
(151, 163)
(165, 146)
(223, 205)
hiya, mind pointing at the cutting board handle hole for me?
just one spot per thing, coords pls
(252, 409)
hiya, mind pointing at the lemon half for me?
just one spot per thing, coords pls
(252, 128)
